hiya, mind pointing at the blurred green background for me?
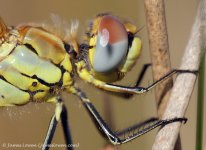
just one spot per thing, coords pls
(28, 124)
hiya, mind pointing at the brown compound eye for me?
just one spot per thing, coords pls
(111, 46)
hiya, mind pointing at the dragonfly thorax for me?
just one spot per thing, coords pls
(33, 67)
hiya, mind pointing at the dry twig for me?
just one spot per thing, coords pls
(184, 83)
(159, 50)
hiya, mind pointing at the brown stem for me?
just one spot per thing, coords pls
(159, 50)
(184, 84)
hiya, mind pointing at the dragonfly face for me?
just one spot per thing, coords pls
(114, 47)
(37, 65)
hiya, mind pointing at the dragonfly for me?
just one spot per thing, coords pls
(38, 63)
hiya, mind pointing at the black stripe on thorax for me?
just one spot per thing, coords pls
(31, 93)
(59, 83)
(63, 70)
(40, 80)
(31, 48)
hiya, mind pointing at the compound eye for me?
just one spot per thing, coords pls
(111, 46)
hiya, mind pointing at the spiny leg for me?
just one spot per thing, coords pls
(150, 123)
(140, 90)
(114, 136)
(87, 76)
(139, 79)
(128, 96)
(137, 126)
(66, 129)
(50, 133)
(142, 73)
(60, 113)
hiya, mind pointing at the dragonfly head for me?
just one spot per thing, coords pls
(114, 47)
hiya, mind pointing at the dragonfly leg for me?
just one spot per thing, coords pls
(60, 115)
(114, 137)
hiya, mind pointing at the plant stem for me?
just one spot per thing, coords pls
(184, 84)
(159, 51)
(200, 105)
